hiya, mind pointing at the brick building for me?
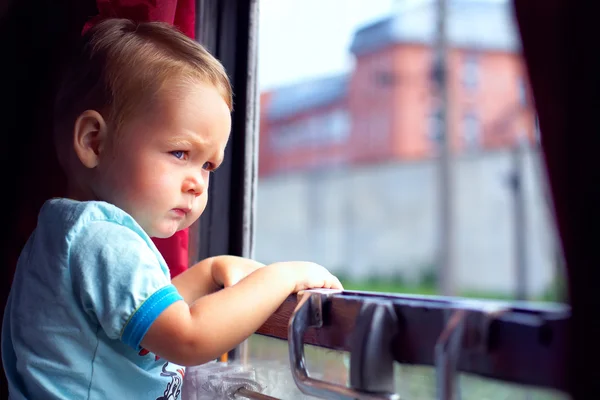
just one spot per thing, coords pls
(384, 109)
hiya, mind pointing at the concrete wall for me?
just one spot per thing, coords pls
(381, 220)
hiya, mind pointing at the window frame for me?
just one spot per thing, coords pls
(500, 337)
(229, 30)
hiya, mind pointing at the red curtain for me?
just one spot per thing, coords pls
(175, 251)
(181, 14)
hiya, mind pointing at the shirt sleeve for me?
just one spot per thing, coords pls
(119, 280)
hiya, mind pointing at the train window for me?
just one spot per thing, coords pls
(350, 156)
(353, 174)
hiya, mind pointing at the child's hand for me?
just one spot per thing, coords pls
(308, 275)
(229, 270)
(232, 314)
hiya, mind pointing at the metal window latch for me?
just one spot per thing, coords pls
(447, 352)
(371, 359)
(466, 329)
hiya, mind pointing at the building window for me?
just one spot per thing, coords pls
(385, 79)
(470, 71)
(317, 130)
(471, 131)
(338, 125)
(286, 136)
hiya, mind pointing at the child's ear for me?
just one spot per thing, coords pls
(89, 139)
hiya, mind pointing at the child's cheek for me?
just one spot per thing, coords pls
(163, 181)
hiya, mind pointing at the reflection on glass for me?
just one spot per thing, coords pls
(269, 358)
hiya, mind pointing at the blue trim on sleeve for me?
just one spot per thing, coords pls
(140, 322)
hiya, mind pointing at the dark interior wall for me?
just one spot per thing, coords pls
(34, 35)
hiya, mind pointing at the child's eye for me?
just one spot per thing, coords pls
(180, 154)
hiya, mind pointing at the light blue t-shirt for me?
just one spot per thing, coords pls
(88, 285)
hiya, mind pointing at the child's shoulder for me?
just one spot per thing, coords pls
(71, 216)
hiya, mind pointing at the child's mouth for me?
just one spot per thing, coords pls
(182, 212)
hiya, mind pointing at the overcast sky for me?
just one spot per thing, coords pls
(299, 39)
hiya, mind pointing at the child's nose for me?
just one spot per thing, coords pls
(195, 186)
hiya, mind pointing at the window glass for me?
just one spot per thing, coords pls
(351, 167)
(350, 150)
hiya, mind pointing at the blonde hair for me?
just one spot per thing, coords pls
(120, 66)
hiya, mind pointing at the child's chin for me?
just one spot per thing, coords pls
(163, 233)
(166, 230)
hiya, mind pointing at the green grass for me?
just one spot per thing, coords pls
(392, 286)
(388, 287)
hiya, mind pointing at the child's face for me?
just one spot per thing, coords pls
(158, 170)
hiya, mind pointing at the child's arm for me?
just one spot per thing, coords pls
(214, 324)
(212, 274)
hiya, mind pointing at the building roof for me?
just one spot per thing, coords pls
(473, 24)
(295, 99)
